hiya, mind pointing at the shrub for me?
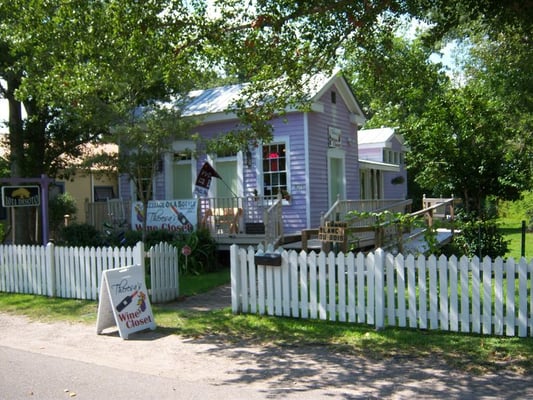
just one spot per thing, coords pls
(58, 207)
(203, 257)
(131, 238)
(2, 233)
(80, 235)
(478, 238)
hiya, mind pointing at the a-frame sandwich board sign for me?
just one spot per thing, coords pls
(124, 301)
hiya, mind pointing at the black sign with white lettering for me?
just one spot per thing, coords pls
(21, 196)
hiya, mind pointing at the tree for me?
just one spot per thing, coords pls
(144, 141)
(460, 137)
(78, 68)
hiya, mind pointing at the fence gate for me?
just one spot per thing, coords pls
(164, 273)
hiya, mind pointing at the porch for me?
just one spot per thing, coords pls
(253, 220)
(233, 220)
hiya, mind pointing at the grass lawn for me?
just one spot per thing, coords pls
(467, 352)
(512, 213)
(512, 230)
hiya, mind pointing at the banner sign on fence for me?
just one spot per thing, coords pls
(124, 301)
(172, 215)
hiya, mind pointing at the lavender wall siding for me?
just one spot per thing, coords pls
(290, 130)
(308, 172)
(371, 154)
(338, 116)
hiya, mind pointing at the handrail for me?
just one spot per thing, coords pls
(273, 223)
(341, 208)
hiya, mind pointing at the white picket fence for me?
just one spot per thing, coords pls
(460, 295)
(76, 272)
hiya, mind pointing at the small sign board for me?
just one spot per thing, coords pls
(333, 232)
(21, 196)
(124, 302)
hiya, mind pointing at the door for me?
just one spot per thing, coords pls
(182, 180)
(229, 185)
(336, 180)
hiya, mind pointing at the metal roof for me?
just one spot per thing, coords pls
(220, 99)
(212, 101)
(375, 136)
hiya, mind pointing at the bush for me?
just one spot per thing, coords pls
(131, 238)
(80, 235)
(478, 238)
(203, 257)
(58, 207)
(3, 233)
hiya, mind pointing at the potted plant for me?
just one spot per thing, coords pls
(285, 195)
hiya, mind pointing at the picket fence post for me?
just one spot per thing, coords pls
(138, 254)
(50, 270)
(235, 279)
(379, 292)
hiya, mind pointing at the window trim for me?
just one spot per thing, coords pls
(284, 140)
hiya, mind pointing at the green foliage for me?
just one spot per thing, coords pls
(404, 223)
(519, 210)
(2, 233)
(203, 257)
(58, 207)
(470, 137)
(478, 238)
(152, 237)
(80, 235)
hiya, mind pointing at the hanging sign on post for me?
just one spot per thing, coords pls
(124, 302)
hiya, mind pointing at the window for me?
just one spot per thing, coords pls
(102, 193)
(274, 170)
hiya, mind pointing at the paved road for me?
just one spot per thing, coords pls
(62, 361)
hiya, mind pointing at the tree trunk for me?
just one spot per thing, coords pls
(23, 223)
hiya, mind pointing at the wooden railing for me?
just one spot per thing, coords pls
(223, 216)
(273, 223)
(340, 209)
(97, 214)
(366, 231)
(443, 208)
(242, 215)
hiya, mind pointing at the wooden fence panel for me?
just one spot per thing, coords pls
(400, 284)
(443, 293)
(312, 282)
(509, 299)
(341, 287)
(351, 289)
(252, 283)
(522, 298)
(164, 272)
(411, 291)
(300, 287)
(452, 294)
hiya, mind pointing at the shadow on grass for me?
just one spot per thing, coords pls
(289, 355)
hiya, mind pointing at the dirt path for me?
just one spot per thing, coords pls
(281, 372)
